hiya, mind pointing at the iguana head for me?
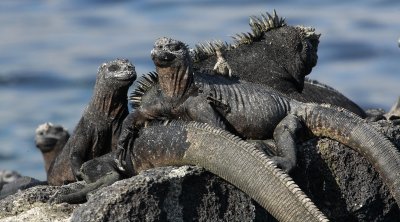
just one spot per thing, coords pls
(48, 135)
(294, 49)
(115, 74)
(7, 176)
(174, 66)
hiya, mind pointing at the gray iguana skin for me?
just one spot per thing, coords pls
(279, 56)
(251, 111)
(98, 129)
(180, 143)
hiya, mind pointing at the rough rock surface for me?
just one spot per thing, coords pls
(30, 205)
(341, 183)
(169, 194)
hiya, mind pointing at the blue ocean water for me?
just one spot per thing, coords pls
(50, 52)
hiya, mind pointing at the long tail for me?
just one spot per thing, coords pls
(232, 159)
(349, 129)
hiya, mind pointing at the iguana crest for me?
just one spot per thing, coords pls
(143, 85)
(259, 25)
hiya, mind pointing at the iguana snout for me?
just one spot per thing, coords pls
(120, 70)
(161, 57)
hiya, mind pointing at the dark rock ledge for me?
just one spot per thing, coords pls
(341, 183)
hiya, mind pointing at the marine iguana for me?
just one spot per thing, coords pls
(99, 127)
(180, 143)
(8, 176)
(50, 140)
(250, 111)
(277, 55)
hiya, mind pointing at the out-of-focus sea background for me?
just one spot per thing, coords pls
(50, 51)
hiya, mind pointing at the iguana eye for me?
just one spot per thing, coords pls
(299, 47)
(113, 68)
(177, 47)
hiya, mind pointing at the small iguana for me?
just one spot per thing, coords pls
(276, 55)
(250, 111)
(99, 127)
(50, 140)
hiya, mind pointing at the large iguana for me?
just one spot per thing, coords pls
(277, 55)
(98, 129)
(250, 111)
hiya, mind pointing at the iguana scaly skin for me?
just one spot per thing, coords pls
(99, 127)
(251, 111)
(277, 55)
(180, 143)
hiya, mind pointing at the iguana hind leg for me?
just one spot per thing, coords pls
(285, 135)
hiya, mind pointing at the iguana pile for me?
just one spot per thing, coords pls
(250, 111)
(180, 90)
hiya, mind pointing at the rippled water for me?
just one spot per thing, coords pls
(50, 52)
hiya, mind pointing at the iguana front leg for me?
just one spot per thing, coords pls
(206, 110)
(285, 135)
(130, 128)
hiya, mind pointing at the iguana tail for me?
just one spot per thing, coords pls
(231, 158)
(347, 128)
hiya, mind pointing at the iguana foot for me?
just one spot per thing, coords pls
(270, 148)
(394, 112)
(267, 146)
(222, 67)
(283, 163)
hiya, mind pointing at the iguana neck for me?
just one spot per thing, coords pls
(175, 80)
(108, 102)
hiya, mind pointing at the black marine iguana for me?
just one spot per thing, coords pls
(99, 127)
(50, 140)
(180, 143)
(277, 55)
(251, 111)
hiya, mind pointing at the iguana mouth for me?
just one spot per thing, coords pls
(125, 75)
(46, 144)
(162, 58)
